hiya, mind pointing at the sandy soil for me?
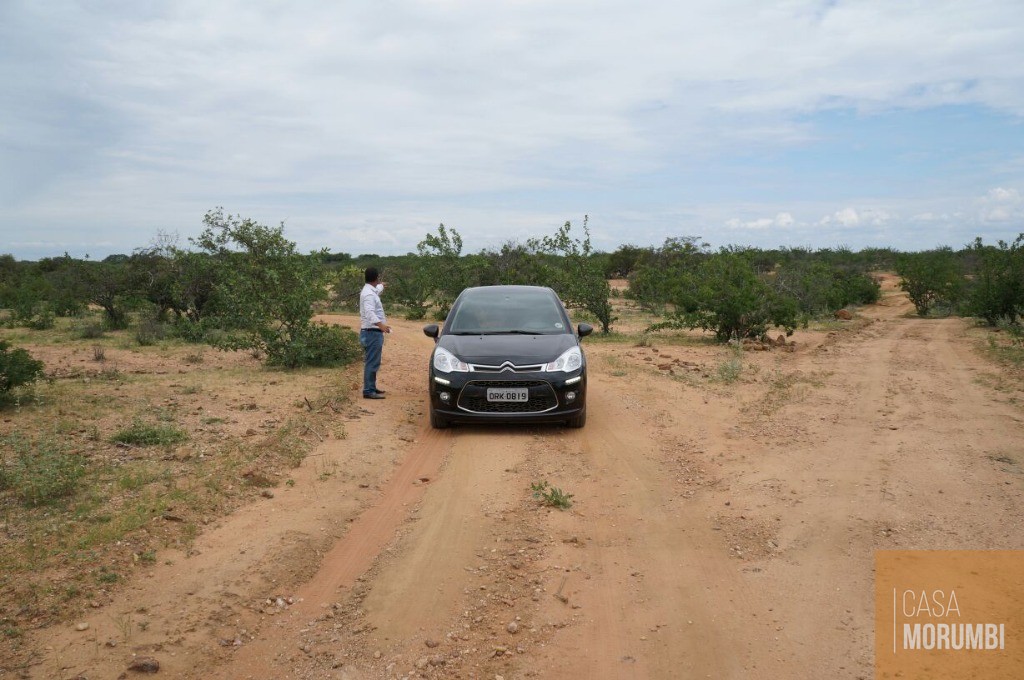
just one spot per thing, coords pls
(719, 529)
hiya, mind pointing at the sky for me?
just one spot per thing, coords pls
(362, 125)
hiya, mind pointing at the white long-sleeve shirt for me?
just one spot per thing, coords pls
(371, 311)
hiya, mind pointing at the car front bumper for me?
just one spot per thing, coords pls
(552, 397)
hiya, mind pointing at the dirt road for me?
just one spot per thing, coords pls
(720, 528)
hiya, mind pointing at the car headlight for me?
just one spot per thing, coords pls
(446, 362)
(571, 360)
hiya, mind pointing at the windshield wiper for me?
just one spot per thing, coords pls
(504, 332)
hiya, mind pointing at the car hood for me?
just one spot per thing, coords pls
(494, 350)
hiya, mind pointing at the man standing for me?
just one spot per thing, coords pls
(372, 327)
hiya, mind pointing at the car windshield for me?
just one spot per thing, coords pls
(494, 311)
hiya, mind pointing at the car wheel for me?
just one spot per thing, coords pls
(578, 420)
(438, 422)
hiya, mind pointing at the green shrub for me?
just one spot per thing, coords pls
(347, 282)
(17, 367)
(89, 330)
(410, 286)
(150, 331)
(316, 344)
(656, 277)
(42, 318)
(107, 577)
(820, 288)
(27, 299)
(111, 285)
(39, 472)
(931, 279)
(266, 291)
(996, 291)
(578, 276)
(729, 371)
(725, 294)
(513, 264)
(1015, 332)
(145, 434)
(442, 265)
(859, 288)
(194, 332)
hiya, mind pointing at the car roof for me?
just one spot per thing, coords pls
(508, 289)
(512, 292)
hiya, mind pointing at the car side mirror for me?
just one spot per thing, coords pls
(431, 331)
(584, 329)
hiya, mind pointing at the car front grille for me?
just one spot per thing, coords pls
(508, 367)
(474, 397)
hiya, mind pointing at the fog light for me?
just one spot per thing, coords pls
(570, 396)
(445, 396)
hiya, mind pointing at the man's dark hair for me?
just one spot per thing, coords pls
(372, 274)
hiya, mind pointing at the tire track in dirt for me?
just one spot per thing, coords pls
(893, 457)
(840, 475)
(658, 597)
(963, 443)
(419, 591)
(183, 606)
(348, 559)
(376, 527)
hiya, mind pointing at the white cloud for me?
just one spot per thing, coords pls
(1001, 195)
(847, 217)
(851, 217)
(781, 220)
(1001, 205)
(784, 219)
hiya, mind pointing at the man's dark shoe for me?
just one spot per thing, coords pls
(380, 391)
(373, 395)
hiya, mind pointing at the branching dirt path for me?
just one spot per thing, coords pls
(719, 529)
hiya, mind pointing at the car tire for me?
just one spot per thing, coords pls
(438, 422)
(579, 420)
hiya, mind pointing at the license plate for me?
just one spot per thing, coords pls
(508, 394)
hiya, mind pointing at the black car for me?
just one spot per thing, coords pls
(508, 354)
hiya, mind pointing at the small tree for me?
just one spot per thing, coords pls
(725, 295)
(577, 277)
(443, 267)
(931, 278)
(36, 292)
(820, 288)
(195, 285)
(65, 296)
(654, 283)
(411, 285)
(29, 299)
(346, 283)
(111, 285)
(997, 286)
(176, 281)
(267, 291)
(512, 264)
(625, 260)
